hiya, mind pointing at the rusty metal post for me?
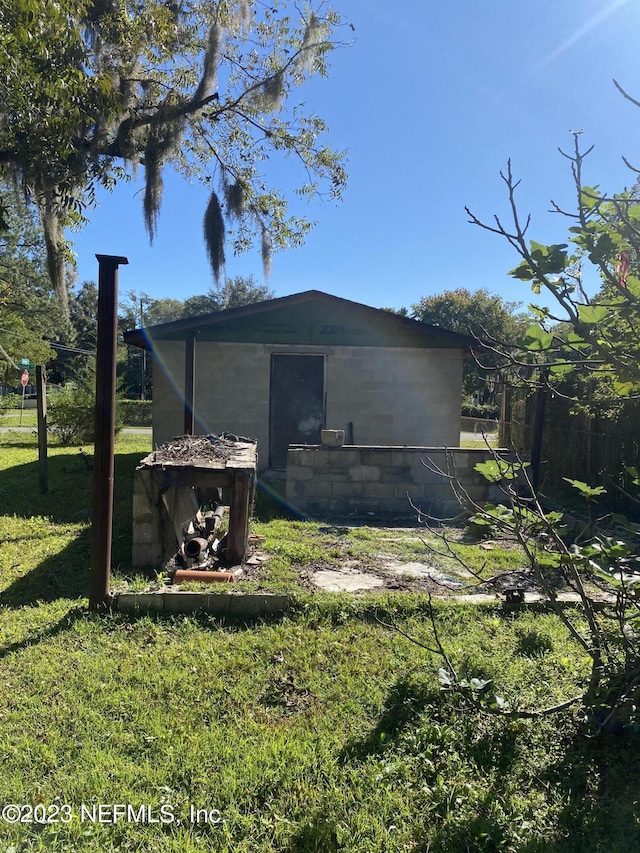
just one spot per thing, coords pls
(190, 386)
(105, 417)
(43, 465)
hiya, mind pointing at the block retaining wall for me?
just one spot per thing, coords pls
(360, 480)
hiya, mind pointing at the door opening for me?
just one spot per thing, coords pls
(296, 403)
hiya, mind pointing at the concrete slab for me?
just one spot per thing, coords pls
(346, 580)
(419, 570)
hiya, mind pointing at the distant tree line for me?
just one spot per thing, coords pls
(136, 310)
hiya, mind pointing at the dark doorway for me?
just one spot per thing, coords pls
(296, 402)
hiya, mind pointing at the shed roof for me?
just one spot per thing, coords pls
(311, 317)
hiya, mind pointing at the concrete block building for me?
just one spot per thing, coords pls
(281, 370)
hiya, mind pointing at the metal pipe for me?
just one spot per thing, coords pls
(105, 418)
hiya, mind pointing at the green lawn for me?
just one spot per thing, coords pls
(322, 731)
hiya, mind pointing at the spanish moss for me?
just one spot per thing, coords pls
(266, 253)
(56, 246)
(312, 34)
(235, 199)
(211, 60)
(214, 235)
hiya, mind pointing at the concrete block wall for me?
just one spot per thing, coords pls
(391, 395)
(396, 395)
(381, 480)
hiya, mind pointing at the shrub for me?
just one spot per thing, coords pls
(135, 413)
(482, 410)
(7, 403)
(71, 415)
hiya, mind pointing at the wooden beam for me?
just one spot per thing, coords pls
(239, 509)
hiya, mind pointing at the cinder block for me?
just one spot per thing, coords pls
(383, 491)
(364, 473)
(146, 601)
(145, 533)
(346, 490)
(146, 554)
(376, 457)
(362, 504)
(254, 605)
(332, 437)
(395, 474)
(143, 510)
(318, 489)
(345, 457)
(300, 472)
(329, 474)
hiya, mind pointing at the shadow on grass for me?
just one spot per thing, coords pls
(594, 783)
(69, 500)
(317, 835)
(67, 622)
(405, 704)
(600, 787)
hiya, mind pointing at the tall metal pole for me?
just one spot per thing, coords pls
(105, 420)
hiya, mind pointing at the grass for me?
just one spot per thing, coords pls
(322, 731)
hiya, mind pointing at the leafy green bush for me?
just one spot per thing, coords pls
(482, 410)
(7, 403)
(135, 413)
(71, 415)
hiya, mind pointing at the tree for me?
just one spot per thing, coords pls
(480, 314)
(29, 316)
(236, 291)
(93, 88)
(135, 365)
(595, 335)
(76, 360)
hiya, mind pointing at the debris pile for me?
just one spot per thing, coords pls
(178, 503)
(192, 449)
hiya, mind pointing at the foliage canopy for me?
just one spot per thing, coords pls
(92, 88)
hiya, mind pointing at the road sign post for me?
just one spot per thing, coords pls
(24, 380)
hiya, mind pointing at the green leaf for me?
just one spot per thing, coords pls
(444, 678)
(561, 368)
(585, 490)
(589, 197)
(523, 272)
(479, 685)
(550, 259)
(604, 249)
(592, 314)
(536, 338)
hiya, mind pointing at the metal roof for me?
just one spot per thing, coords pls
(311, 317)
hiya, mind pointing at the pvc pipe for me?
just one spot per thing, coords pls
(194, 547)
(182, 575)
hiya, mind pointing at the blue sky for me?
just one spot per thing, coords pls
(430, 101)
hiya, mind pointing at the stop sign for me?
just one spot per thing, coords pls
(24, 379)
